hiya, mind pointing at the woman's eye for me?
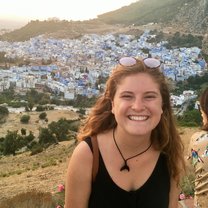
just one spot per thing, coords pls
(150, 97)
(126, 96)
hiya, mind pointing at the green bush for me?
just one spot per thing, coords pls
(10, 144)
(35, 149)
(40, 108)
(4, 111)
(23, 131)
(25, 119)
(190, 118)
(42, 115)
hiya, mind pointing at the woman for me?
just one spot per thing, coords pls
(198, 152)
(141, 153)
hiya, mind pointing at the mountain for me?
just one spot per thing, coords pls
(187, 16)
(56, 29)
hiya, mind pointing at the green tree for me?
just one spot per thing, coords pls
(4, 110)
(190, 118)
(10, 143)
(60, 129)
(30, 137)
(46, 137)
(1, 145)
(30, 104)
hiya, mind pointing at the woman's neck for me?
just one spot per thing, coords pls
(131, 143)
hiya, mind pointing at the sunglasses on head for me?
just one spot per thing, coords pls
(151, 63)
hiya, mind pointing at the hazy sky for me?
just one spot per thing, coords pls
(63, 9)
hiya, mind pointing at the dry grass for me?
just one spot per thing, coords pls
(44, 171)
(13, 120)
(32, 199)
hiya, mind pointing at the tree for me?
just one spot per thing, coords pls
(46, 136)
(60, 129)
(4, 110)
(190, 118)
(30, 104)
(10, 143)
(30, 137)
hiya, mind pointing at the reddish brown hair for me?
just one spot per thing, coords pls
(101, 118)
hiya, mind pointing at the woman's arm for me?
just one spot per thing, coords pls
(174, 194)
(79, 177)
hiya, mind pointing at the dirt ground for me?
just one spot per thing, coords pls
(46, 170)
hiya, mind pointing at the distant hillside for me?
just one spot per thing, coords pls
(56, 29)
(187, 16)
(144, 12)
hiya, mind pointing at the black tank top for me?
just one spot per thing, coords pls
(153, 194)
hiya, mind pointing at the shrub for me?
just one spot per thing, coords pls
(25, 119)
(10, 143)
(43, 115)
(4, 111)
(37, 148)
(40, 108)
(46, 137)
(23, 131)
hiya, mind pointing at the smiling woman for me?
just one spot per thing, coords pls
(62, 9)
(140, 150)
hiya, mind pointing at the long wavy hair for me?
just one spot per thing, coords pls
(204, 106)
(166, 135)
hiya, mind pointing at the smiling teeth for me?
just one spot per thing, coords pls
(138, 118)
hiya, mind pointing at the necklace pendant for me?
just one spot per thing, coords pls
(125, 167)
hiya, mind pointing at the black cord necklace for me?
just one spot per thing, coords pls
(125, 166)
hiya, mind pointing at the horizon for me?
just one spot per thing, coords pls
(19, 12)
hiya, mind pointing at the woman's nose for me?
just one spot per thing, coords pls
(138, 105)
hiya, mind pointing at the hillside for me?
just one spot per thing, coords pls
(187, 16)
(57, 29)
(42, 172)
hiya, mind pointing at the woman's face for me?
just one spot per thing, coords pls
(137, 104)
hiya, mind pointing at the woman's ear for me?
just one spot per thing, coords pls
(112, 105)
(161, 111)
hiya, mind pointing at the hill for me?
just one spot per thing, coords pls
(43, 171)
(57, 29)
(184, 15)
(187, 16)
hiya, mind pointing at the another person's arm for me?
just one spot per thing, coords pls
(174, 193)
(79, 177)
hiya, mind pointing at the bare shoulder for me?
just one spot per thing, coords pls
(79, 176)
(174, 193)
(80, 164)
(82, 153)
